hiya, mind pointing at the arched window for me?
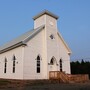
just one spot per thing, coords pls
(60, 62)
(14, 64)
(53, 61)
(5, 65)
(38, 64)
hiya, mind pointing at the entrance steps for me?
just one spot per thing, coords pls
(68, 78)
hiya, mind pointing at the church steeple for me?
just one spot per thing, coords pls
(44, 18)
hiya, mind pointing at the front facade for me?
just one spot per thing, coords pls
(34, 54)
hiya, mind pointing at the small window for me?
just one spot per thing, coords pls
(60, 65)
(52, 61)
(5, 65)
(14, 63)
(38, 64)
(52, 37)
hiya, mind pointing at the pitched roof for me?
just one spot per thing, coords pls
(45, 12)
(21, 40)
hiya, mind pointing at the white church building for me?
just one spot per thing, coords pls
(37, 52)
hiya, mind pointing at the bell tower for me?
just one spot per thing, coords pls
(45, 18)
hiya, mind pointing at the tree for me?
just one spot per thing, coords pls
(82, 67)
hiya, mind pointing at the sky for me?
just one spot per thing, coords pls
(73, 23)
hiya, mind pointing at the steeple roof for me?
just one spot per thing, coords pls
(45, 12)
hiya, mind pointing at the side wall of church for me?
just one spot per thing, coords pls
(18, 53)
(35, 47)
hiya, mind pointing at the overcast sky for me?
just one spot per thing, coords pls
(73, 23)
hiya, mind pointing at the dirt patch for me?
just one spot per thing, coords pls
(41, 85)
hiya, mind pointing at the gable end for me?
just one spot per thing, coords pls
(69, 51)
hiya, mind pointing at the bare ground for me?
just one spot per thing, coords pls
(46, 85)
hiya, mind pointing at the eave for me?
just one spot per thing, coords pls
(12, 47)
